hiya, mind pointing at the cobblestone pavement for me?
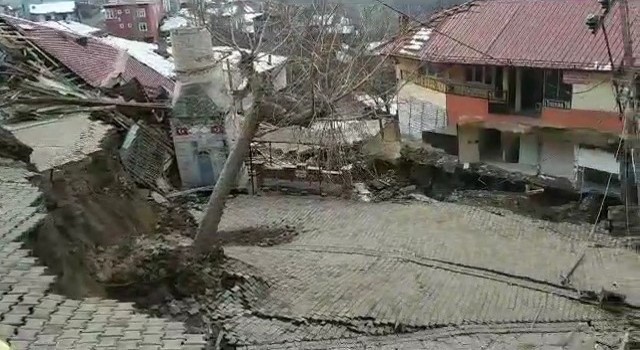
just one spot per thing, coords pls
(364, 269)
(33, 318)
(452, 234)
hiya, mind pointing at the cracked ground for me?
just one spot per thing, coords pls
(421, 276)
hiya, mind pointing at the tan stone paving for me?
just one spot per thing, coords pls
(356, 268)
(31, 317)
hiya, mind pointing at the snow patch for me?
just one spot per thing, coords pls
(72, 27)
(52, 7)
(143, 52)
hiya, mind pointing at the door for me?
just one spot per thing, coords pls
(207, 176)
(468, 144)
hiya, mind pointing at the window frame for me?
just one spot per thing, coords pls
(480, 75)
(562, 91)
(109, 14)
(141, 25)
(141, 13)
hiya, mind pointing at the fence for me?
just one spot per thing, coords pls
(268, 173)
(416, 116)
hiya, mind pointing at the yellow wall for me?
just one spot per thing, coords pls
(412, 91)
(597, 95)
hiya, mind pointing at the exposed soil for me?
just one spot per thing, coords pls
(414, 173)
(106, 237)
(259, 236)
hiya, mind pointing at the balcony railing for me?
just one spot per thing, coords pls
(457, 88)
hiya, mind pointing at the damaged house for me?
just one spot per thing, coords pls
(73, 79)
(531, 90)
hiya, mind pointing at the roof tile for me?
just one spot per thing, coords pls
(533, 33)
(95, 62)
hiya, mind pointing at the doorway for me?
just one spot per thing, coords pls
(532, 91)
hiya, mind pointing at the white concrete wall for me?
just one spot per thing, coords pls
(420, 109)
(468, 145)
(557, 158)
(597, 95)
(529, 152)
(597, 159)
(192, 52)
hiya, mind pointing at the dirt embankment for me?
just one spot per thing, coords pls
(435, 176)
(105, 237)
(94, 208)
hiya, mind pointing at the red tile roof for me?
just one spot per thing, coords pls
(96, 62)
(532, 33)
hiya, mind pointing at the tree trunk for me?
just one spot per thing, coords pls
(227, 180)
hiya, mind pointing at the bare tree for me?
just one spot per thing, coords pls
(315, 39)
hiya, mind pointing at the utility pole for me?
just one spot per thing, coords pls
(626, 95)
(630, 113)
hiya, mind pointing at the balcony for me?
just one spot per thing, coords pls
(462, 89)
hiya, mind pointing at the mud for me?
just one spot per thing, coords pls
(428, 174)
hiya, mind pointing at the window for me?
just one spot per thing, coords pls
(480, 74)
(142, 26)
(434, 70)
(119, 12)
(127, 11)
(129, 25)
(554, 88)
(141, 13)
(109, 14)
(121, 25)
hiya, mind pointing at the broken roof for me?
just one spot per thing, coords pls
(97, 62)
(530, 33)
(52, 148)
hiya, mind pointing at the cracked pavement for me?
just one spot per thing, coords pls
(363, 269)
(34, 318)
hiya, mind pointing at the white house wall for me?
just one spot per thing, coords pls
(420, 109)
(596, 95)
(598, 160)
(529, 153)
(557, 158)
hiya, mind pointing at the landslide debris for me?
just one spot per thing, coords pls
(12, 148)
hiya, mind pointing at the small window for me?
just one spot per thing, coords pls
(109, 14)
(479, 74)
(555, 88)
(141, 13)
(129, 25)
(119, 12)
(142, 26)
(127, 11)
(121, 25)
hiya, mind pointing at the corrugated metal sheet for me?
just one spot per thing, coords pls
(531, 33)
(94, 62)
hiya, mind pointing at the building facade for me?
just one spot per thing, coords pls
(47, 10)
(540, 101)
(135, 20)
